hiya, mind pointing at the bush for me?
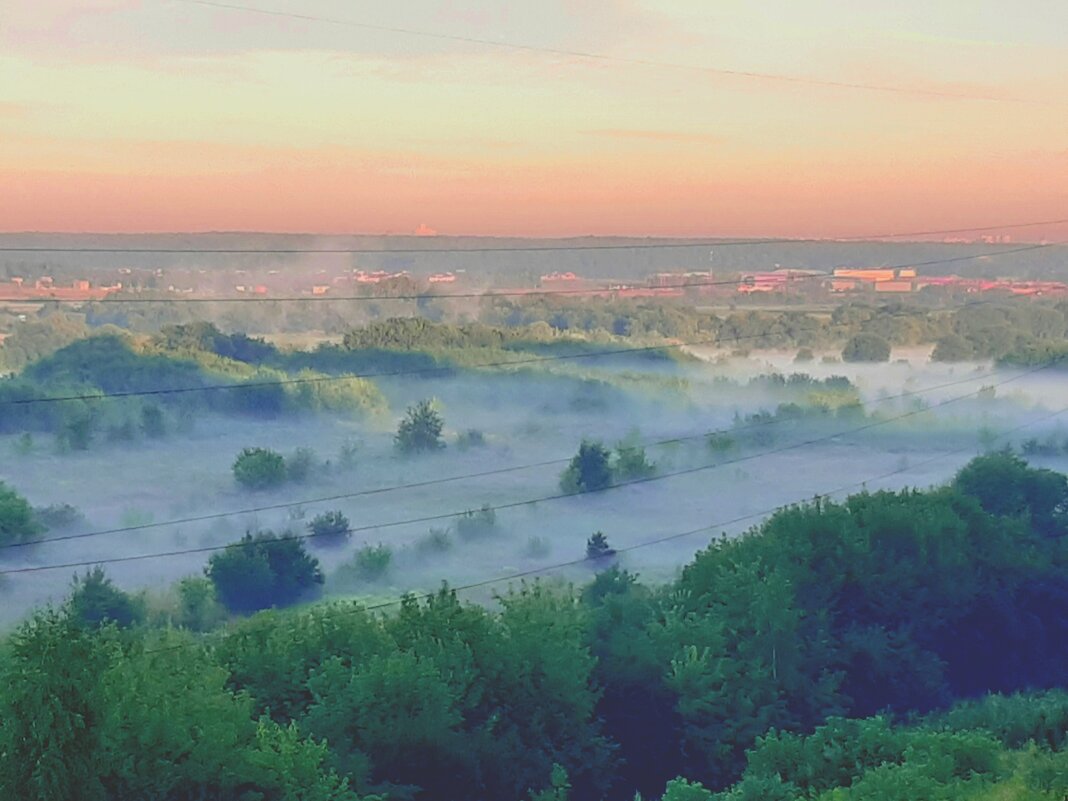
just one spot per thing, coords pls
(721, 444)
(300, 465)
(597, 546)
(589, 470)
(631, 463)
(538, 548)
(262, 571)
(60, 515)
(329, 528)
(437, 540)
(370, 563)
(420, 430)
(472, 438)
(804, 355)
(346, 457)
(866, 348)
(259, 469)
(95, 600)
(476, 522)
(17, 520)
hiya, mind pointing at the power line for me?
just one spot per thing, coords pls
(603, 57)
(459, 250)
(547, 498)
(98, 396)
(537, 571)
(489, 295)
(450, 479)
(407, 372)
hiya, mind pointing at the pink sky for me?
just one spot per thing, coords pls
(155, 115)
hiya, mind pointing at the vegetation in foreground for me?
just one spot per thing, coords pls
(755, 675)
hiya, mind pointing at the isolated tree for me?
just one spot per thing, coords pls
(259, 468)
(866, 348)
(95, 600)
(18, 523)
(329, 528)
(420, 430)
(597, 546)
(589, 470)
(262, 571)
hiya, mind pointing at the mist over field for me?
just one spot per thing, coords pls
(524, 417)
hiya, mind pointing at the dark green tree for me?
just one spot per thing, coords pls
(263, 570)
(420, 430)
(590, 469)
(95, 600)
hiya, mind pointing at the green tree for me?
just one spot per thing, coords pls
(198, 606)
(590, 469)
(866, 348)
(263, 570)
(420, 430)
(18, 523)
(259, 469)
(95, 600)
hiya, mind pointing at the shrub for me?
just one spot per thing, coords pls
(259, 469)
(263, 570)
(330, 528)
(476, 522)
(804, 355)
(597, 546)
(437, 540)
(60, 515)
(721, 444)
(472, 438)
(370, 563)
(537, 547)
(346, 457)
(420, 430)
(300, 464)
(631, 463)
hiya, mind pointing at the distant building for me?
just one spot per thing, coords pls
(774, 281)
(320, 289)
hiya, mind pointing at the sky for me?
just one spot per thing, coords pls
(171, 115)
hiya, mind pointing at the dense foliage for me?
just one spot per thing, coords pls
(263, 570)
(757, 674)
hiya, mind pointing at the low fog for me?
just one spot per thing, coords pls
(525, 417)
